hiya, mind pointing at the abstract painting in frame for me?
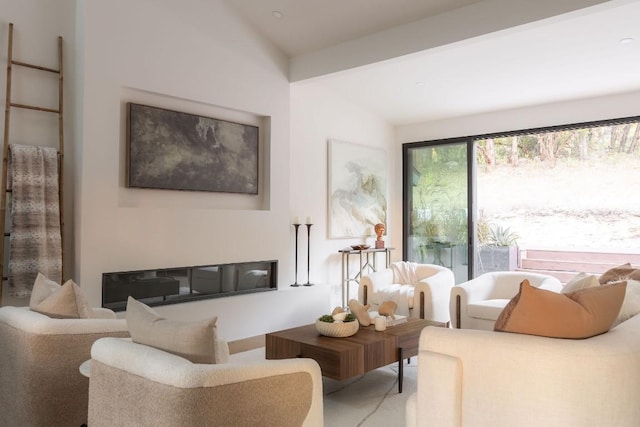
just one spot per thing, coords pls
(179, 151)
(357, 189)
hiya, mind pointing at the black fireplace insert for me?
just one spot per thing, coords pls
(181, 284)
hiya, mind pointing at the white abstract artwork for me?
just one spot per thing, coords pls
(357, 189)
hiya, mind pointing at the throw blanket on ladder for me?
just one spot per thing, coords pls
(35, 240)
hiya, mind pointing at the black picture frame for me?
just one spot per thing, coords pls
(172, 150)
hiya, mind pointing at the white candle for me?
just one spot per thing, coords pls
(309, 220)
(296, 220)
(380, 323)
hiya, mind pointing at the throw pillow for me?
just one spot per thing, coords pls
(580, 314)
(631, 304)
(360, 311)
(620, 273)
(580, 281)
(195, 341)
(67, 301)
(43, 287)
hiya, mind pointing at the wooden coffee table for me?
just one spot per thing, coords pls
(342, 358)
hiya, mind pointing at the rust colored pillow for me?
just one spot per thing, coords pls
(580, 314)
(620, 273)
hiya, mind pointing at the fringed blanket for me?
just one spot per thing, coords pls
(404, 273)
(35, 240)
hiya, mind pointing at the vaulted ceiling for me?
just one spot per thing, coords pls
(419, 60)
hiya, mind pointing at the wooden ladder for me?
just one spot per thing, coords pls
(5, 151)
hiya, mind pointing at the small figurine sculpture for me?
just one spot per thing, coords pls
(379, 229)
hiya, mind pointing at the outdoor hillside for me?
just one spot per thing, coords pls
(592, 204)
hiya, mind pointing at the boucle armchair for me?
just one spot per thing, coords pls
(133, 384)
(420, 290)
(476, 304)
(40, 381)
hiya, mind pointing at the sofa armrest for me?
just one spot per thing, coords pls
(477, 289)
(537, 380)
(173, 382)
(36, 323)
(103, 313)
(373, 282)
(437, 291)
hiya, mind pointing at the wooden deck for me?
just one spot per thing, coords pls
(564, 264)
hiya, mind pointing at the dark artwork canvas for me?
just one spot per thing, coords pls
(179, 151)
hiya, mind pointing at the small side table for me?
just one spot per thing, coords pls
(367, 259)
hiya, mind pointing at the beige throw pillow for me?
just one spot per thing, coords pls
(631, 304)
(580, 281)
(195, 341)
(579, 314)
(43, 287)
(66, 301)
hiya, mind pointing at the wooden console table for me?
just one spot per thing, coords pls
(367, 263)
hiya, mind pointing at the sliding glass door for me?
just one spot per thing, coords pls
(437, 204)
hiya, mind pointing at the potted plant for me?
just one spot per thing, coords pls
(498, 248)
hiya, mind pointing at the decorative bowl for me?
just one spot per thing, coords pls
(337, 329)
(360, 247)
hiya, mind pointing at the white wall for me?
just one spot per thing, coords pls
(198, 57)
(318, 115)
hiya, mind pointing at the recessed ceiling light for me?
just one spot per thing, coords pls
(277, 14)
(626, 40)
(419, 83)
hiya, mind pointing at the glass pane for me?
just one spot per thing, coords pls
(437, 208)
(559, 202)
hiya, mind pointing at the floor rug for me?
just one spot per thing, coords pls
(370, 400)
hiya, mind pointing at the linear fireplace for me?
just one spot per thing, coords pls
(181, 284)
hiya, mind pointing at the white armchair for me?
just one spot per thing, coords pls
(422, 289)
(476, 304)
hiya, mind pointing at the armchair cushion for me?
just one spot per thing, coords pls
(488, 309)
(580, 314)
(195, 341)
(53, 300)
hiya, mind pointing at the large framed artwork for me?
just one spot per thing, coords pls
(357, 189)
(179, 151)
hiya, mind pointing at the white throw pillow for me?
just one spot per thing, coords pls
(631, 304)
(195, 341)
(43, 287)
(53, 300)
(580, 281)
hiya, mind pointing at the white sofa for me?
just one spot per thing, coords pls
(476, 304)
(494, 379)
(427, 297)
(136, 385)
